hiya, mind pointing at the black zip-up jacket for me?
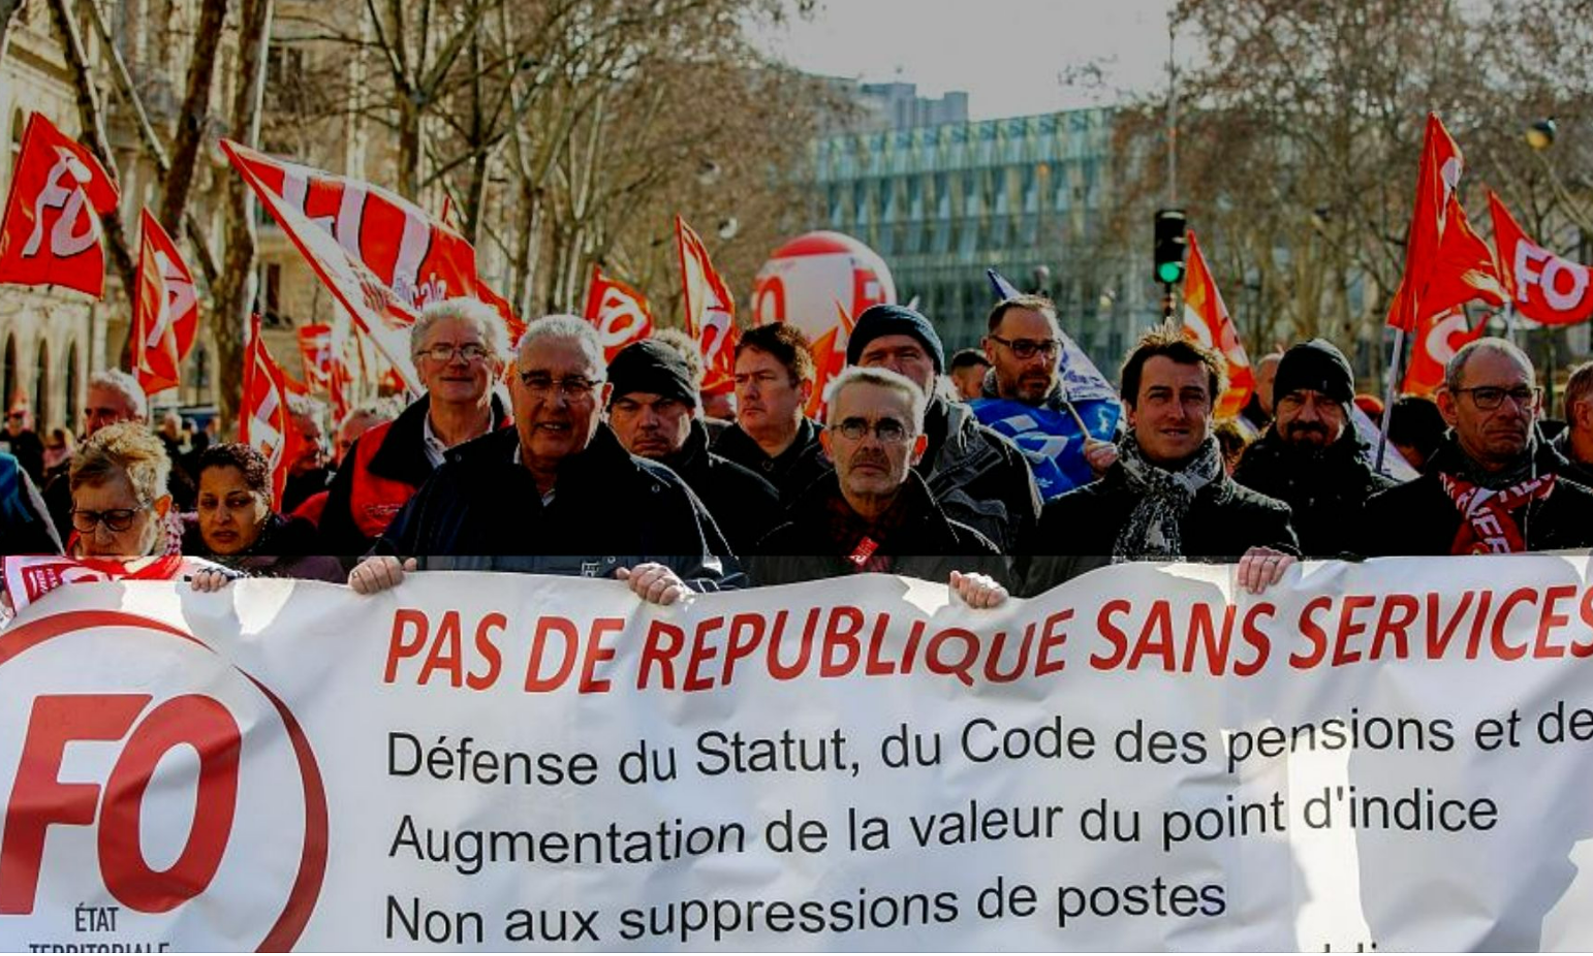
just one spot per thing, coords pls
(743, 505)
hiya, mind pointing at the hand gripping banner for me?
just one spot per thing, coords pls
(1385, 756)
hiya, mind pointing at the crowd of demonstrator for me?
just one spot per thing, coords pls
(547, 459)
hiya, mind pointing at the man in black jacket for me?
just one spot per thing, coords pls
(654, 413)
(873, 512)
(772, 436)
(978, 476)
(1495, 486)
(1167, 497)
(1310, 458)
(549, 494)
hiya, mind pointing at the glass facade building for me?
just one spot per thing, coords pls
(1029, 196)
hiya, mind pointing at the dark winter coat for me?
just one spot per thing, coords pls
(1419, 518)
(791, 472)
(610, 509)
(398, 467)
(1326, 489)
(286, 548)
(1575, 470)
(25, 526)
(979, 476)
(925, 543)
(1079, 529)
(743, 505)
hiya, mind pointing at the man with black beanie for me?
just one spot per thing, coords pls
(1309, 457)
(654, 413)
(978, 476)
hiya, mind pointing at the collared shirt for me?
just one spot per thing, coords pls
(547, 499)
(436, 451)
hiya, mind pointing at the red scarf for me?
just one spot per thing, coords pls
(1488, 523)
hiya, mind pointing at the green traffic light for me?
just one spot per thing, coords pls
(1170, 272)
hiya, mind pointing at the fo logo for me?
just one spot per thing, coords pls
(150, 774)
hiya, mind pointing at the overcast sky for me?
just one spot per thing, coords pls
(1007, 54)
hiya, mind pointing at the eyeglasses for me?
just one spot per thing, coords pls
(541, 384)
(888, 430)
(116, 520)
(1489, 397)
(1026, 348)
(444, 352)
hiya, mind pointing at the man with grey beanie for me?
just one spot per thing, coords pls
(978, 476)
(655, 413)
(1310, 458)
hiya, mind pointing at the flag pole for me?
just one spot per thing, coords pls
(1388, 396)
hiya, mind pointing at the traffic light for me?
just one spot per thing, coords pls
(1170, 245)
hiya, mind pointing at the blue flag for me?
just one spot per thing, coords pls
(1081, 380)
(1050, 438)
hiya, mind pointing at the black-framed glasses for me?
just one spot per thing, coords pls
(888, 430)
(1488, 398)
(1027, 348)
(542, 384)
(116, 520)
(445, 352)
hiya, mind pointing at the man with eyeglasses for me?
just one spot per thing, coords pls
(978, 476)
(1494, 486)
(1024, 346)
(557, 493)
(458, 347)
(873, 512)
(772, 436)
(1310, 458)
(654, 412)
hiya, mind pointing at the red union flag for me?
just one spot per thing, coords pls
(1544, 287)
(1446, 263)
(829, 360)
(1206, 320)
(1437, 340)
(263, 420)
(381, 314)
(710, 311)
(165, 309)
(618, 311)
(315, 348)
(50, 234)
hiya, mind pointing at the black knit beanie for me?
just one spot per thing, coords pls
(1317, 365)
(890, 319)
(653, 367)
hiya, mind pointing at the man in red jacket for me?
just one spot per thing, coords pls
(459, 347)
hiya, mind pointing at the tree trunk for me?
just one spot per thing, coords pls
(191, 121)
(409, 147)
(235, 286)
(92, 118)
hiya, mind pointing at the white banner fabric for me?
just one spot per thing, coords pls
(1395, 754)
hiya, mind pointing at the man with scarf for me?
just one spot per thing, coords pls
(1310, 457)
(1494, 486)
(1167, 497)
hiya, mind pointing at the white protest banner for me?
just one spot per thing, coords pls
(1393, 754)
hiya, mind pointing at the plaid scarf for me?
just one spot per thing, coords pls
(1153, 529)
(1488, 524)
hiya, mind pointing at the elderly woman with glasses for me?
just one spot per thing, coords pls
(237, 528)
(119, 501)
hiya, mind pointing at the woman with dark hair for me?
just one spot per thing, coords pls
(237, 528)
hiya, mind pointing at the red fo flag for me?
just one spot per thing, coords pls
(710, 311)
(315, 348)
(1446, 263)
(50, 234)
(1206, 320)
(1544, 287)
(619, 312)
(165, 310)
(263, 421)
(829, 360)
(1437, 340)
